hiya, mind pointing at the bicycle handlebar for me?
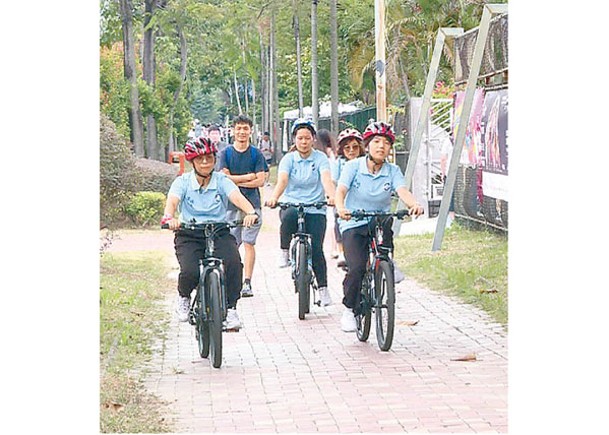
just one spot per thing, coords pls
(361, 214)
(216, 226)
(318, 204)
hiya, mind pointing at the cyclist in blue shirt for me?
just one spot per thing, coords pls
(303, 175)
(202, 195)
(366, 183)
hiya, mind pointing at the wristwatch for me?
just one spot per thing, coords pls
(252, 214)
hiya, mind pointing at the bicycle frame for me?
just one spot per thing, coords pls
(301, 237)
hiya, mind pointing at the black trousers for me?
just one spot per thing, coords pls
(190, 247)
(315, 224)
(356, 244)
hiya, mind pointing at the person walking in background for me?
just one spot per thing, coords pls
(202, 195)
(213, 132)
(366, 183)
(245, 166)
(350, 146)
(304, 176)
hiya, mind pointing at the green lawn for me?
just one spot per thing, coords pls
(471, 264)
(130, 318)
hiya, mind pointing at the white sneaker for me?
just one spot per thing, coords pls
(324, 295)
(347, 321)
(232, 319)
(284, 258)
(183, 308)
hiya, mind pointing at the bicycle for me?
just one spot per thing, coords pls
(209, 308)
(378, 288)
(302, 259)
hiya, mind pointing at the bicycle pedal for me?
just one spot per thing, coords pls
(318, 303)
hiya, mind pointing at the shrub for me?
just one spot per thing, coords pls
(146, 208)
(155, 176)
(118, 178)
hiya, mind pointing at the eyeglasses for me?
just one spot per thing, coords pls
(351, 148)
(204, 158)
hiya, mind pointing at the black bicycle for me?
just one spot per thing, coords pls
(378, 288)
(301, 257)
(209, 308)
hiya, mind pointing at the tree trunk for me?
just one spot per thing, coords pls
(314, 77)
(135, 116)
(274, 107)
(263, 85)
(334, 67)
(171, 145)
(152, 146)
(298, 58)
(237, 92)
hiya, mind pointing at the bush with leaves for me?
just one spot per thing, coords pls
(155, 176)
(146, 208)
(118, 175)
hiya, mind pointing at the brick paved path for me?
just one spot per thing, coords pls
(281, 374)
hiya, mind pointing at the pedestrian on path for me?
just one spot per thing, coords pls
(303, 175)
(244, 164)
(202, 195)
(366, 183)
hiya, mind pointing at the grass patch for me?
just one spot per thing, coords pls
(130, 319)
(471, 264)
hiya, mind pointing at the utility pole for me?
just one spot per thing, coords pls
(379, 46)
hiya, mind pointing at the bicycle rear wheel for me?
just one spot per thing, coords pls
(302, 280)
(384, 304)
(215, 317)
(201, 327)
(363, 319)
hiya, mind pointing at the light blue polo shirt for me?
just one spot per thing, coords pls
(337, 166)
(203, 204)
(366, 191)
(304, 178)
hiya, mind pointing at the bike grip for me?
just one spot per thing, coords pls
(165, 226)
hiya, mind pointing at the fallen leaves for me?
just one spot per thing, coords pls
(114, 406)
(408, 322)
(468, 357)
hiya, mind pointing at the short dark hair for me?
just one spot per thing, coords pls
(213, 128)
(242, 119)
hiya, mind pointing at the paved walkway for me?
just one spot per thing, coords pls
(281, 374)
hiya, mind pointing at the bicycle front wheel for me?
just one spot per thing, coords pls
(201, 327)
(302, 280)
(215, 317)
(384, 291)
(363, 319)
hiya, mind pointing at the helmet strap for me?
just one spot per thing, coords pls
(375, 164)
(205, 177)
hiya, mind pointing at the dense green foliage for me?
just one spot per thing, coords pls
(224, 68)
(118, 176)
(121, 176)
(146, 208)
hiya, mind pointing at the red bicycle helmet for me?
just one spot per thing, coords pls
(347, 134)
(379, 129)
(199, 147)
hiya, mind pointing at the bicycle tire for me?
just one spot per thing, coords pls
(201, 327)
(215, 317)
(302, 282)
(364, 318)
(384, 289)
